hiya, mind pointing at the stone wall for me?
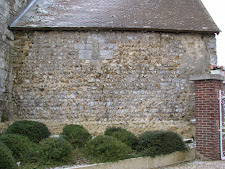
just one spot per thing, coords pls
(8, 10)
(135, 80)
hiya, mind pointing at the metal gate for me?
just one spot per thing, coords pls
(222, 124)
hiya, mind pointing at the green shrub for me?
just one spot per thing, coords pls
(54, 150)
(123, 135)
(6, 158)
(18, 144)
(76, 135)
(153, 143)
(34, 130)
(110, 130)
(32, 155)
(106, 148)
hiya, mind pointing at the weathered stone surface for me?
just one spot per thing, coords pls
(135, 80)
(207, 77)
(8, 10)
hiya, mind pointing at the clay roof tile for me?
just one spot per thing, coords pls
(150, 15)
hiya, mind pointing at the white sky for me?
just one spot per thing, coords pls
(216, 8)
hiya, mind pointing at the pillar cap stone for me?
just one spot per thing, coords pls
(207, 77)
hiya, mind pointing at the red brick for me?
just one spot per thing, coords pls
(207, 112)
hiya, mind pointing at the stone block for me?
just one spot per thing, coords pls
(108, 46)
(9, 34)
(3, 18)
(106, 54)
(207, 76)
(1, 103)
(79, 46)
(1, 42)
(211, 45)
(2, 63)
(3, 75)
(88, 46)
(85, 54)
(5, 13)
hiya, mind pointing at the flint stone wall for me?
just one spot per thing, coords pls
(136, 80)
(8, 10)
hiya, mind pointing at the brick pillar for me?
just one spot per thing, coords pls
(207, 113)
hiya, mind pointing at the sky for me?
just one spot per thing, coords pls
(216, 8)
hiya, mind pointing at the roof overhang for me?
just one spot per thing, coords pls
(119, 15)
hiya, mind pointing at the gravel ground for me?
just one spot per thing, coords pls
(198, 165)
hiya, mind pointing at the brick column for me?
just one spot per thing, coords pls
(207, 113)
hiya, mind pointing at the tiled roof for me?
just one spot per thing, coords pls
(151, 15)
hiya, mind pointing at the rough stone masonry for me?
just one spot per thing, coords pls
(136, 80)
(8, 10)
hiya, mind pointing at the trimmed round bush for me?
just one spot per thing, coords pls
(18, 144)
(6, 158)
(32, 155)
(106, 148)
(123, 135)
(55, 150)
(76, 135)
(153, 143)
(35, 131)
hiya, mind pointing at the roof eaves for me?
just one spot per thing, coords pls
(210, 17)
(111, 29)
